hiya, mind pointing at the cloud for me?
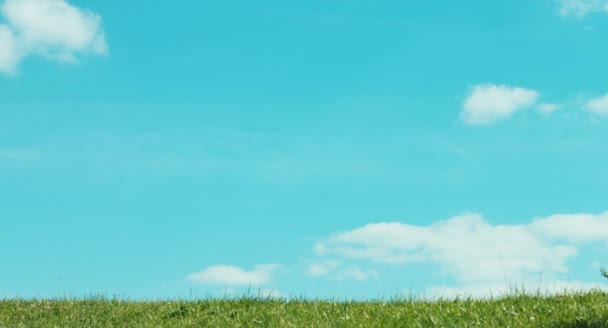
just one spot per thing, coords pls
(598, 105)
(337, 272)
(580, 8)
(472, 250)
(354, 272)
(488, 103)
(51, 28)
(548, 108)
(8, 50)
(232, 275)
(322, 268)
(554, 287)
(574, 229)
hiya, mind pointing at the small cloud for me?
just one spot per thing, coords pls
(548, 108)
(50, 28)
(354, 272)
(333, 269)
(320, 249)
(598, 105)
(322, 268)
(549, 288)
(232, 275)
(580, 8)
(488, 103)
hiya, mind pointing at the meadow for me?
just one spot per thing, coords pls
(569, 310)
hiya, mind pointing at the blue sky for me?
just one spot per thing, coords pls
(335, 149)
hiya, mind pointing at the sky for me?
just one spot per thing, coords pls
(324, 149)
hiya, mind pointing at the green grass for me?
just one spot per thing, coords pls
(568, 311)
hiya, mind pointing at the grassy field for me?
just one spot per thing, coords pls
(569, 311)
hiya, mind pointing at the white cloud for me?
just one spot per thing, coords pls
(472, 250)
(322, 268)
(354, 272)
(232, 275)
(488, 103)
(8, 50)
(554, 287)
(581, 8)
(548, 108)
(51, 28)
(335, 270)
(598, 105)
(573, 228)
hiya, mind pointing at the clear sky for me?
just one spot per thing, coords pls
(321, 148)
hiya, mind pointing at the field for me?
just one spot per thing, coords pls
(569, 310)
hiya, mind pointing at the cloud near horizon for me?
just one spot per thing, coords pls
(489, 103)
(484, 259)
(233, 275)
(554, 287)
(470, 249)
(50, 28)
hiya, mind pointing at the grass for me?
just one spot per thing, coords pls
(576, 310)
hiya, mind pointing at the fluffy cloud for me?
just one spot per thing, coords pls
(51, 28)
(598, 105)
(488, 103)
(580, 8)
(472, 250)
(232, 275)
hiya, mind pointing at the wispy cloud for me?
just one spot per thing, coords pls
(9, 57)
(470, 249)
(548, 108)
(554, 287)
(335, 270)
(355, 272)
(488, 103)
(598, 105)
(212, 152)
(51, 28)
(580, 8)
(322, 268)
(18, 154)
(233, 275)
